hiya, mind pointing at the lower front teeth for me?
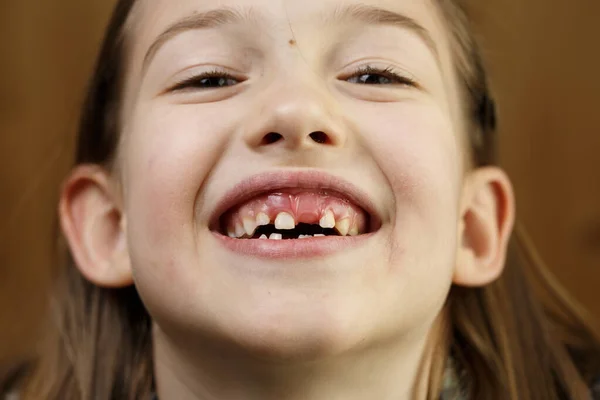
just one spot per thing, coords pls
(279, 236)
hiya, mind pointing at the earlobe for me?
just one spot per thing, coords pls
(94, 226)
(487, 218)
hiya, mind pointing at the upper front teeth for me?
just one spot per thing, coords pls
(343, 226)
(327, 220)
(249, 226)
(262, 219)
(284, 221)
(239, 230)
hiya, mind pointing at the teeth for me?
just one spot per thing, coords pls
(327, 220)
(353, 231)
(319, 235)
(262, 219)
(343, 226)
(239, 230)
(231, 234)
(284, 221)
(276, 236)
(263, 237)
(249, 226)
(304, 236)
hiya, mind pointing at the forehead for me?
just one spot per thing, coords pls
(283, 19)
(161, 11)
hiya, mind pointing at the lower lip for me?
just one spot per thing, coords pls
(292, 248)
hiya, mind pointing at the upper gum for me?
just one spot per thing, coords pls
(298, 206)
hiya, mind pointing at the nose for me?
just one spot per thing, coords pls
(295, 117)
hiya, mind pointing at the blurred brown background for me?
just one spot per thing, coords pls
(544, 60)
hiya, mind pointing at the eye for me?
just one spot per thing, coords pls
(375, 76)
(208, 80)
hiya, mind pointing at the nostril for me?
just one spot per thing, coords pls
(271, 137)
(320, 137)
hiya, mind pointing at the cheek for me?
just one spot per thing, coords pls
(169, 154)
(417, 150)
(416, 147)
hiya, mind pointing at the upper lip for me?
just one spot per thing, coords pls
(267, 182)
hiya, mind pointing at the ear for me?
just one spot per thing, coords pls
(94, 226)
(487, 217)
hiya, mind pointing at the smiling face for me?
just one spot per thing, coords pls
(242, 95)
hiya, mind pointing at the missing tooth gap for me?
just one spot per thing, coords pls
(300, 229)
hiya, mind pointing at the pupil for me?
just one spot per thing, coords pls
(214, 81)
(373, 79)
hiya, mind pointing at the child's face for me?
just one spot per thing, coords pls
(297, 96)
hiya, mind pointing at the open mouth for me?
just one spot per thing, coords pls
(294, 213)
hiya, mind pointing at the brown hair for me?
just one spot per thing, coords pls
(505, 341)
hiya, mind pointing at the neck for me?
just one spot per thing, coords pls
(394, 370)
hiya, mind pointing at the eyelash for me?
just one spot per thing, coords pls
(193, 81)
(388, 73)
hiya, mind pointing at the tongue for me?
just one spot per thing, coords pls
(305, 207)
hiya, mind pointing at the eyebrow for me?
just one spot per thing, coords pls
(371, 15)
(209, 19)
(366, 14)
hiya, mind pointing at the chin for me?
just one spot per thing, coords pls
(295, 340)
(271, 329)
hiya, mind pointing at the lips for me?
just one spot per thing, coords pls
(321, 211)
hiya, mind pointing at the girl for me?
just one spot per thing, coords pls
(298, 200)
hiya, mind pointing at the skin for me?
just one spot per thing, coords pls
(353, 325)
